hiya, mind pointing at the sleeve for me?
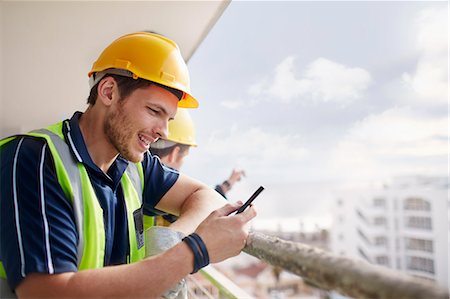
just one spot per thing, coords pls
(158, 179)
(37, 226)
(220, 191)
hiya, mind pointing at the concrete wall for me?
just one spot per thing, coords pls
(48, 48)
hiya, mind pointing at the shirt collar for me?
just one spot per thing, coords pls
(75, 140)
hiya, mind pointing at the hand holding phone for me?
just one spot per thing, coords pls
(250, 200)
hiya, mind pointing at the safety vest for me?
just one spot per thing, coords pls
(74, 180)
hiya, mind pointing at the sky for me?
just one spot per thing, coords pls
(307, 97)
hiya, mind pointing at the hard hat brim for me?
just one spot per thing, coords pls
(188, 101)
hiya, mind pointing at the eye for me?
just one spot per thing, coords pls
(153, 111)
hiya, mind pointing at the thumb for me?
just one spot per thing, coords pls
(228, 208)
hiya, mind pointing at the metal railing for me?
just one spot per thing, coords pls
(346, 276)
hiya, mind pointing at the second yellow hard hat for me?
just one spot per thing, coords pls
(182, 129)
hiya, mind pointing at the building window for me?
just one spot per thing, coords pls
(420, 264)
(381, 241)
(380, 221)
(419, 244)
(382, 260)
(419, 222)
(416, 204)
(379, 202)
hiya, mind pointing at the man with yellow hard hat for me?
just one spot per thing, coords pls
(75, 196)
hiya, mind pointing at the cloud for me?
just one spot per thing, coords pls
(429, 81)
(231, 104)
(265, 156)
(255, 144)
(397, 141)
(323, 80)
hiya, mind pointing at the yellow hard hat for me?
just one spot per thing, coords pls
(149, 56)
(181, 128)
(181, 131)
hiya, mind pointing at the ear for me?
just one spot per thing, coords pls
(173, 156)
(106, 89)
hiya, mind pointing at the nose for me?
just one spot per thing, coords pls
(162, 130)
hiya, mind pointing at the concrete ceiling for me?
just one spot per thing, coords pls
(47, 48)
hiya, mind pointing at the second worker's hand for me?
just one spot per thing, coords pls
(236, 176)
(225, 234)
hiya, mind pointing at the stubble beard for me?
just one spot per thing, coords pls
(118, 128)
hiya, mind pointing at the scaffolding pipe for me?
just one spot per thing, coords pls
(351, 277)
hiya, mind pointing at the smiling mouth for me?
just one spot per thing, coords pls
(145, 140)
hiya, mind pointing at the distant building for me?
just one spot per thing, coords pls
(402, 225)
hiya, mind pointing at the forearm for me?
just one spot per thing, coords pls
(196, 208)
(149, 278)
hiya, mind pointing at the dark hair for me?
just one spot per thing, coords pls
(162, 152)
(127, 85)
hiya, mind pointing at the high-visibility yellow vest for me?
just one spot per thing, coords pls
(75, 182)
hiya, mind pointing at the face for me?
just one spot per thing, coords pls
(133, 123)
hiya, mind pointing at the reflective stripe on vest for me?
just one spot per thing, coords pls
(77, 187)
(70, 166)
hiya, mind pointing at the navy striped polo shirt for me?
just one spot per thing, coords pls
(37, 224)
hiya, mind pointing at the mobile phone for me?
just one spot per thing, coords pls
(250, 200)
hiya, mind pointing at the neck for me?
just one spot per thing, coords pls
(102, 152)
